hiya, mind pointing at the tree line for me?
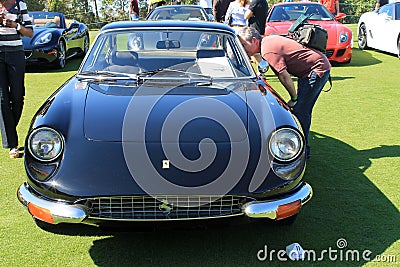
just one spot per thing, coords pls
(96, 13)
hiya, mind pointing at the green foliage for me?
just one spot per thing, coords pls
(36, 5)
(354, 9)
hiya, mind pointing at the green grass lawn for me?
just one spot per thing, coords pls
(354, 171)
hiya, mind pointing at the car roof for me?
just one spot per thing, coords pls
(167, 23)
(297, 3)
(183, 6)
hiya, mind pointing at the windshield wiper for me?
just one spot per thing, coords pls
(101, 74)
(146, 74)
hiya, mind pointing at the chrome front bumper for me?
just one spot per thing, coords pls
(269, 209)
(63, 212)
(60, 211)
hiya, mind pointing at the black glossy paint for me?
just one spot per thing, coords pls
(97, 168)
(90, 117)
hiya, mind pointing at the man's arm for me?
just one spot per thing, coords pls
(248, 14)
(286, 80)
(337, 6)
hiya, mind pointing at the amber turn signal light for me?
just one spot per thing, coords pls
(40, 213)
(287, 210)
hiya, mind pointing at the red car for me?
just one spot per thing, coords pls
(340, 38)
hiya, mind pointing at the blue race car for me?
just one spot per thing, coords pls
(55, 39)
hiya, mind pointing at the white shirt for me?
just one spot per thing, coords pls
(205, 3)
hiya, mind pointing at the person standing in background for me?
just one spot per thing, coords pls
(14, 22)
(235, 14)
(331, 5)
(219, 9)
(380, 3)
(134, 12)
(205, 3)
(152, 4)
(257, 15)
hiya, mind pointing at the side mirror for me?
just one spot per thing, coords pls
(74, 25)
(263, 67)
(340, 16)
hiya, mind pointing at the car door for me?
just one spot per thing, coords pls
(72, 37)
(382, 35)
(389, 35)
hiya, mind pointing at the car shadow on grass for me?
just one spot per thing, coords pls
(360, 58)
(71, 65)
(347, 217)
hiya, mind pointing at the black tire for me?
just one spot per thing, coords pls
(398, 47)
(86, 45)
(362, 37)
(60, 62)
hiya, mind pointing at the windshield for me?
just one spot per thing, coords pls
(141, 53)
(293, 11)
(47, 20)
(178, 13)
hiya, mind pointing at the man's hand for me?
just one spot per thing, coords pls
(11, 23)
(291, 103)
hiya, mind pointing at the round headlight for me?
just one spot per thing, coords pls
(285, 144)
(45, 144)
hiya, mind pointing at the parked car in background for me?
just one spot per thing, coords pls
(164, 121)
(381, 29)
(55, 39)
(339, 47)
(179, 12)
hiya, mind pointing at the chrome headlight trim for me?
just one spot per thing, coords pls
(286, 144)
(44, 39)
(45, 144)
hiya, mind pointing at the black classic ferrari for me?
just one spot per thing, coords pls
(55, 39)
(164, 121)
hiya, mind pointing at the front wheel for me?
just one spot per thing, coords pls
(362, 37)
(60, 62)
(86, 44)
(398, 47)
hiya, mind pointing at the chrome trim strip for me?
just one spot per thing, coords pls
(61, 212)
(269, 209)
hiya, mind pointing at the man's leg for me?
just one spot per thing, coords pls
(7, 122)
(308, 91)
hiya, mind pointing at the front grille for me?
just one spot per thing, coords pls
(142, 208)
(329, 53)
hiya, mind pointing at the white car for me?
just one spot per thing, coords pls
(381, 29)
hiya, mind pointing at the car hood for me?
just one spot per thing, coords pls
(332, 27)
(115, 113)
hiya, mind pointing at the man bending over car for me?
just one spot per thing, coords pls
(287, 57)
